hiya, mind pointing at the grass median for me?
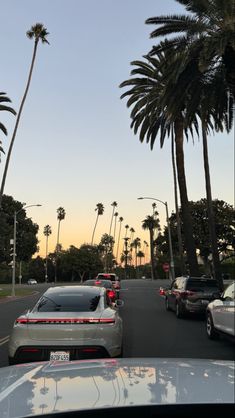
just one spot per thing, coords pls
(5, 291)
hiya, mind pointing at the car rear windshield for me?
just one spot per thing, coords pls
(106, 277)
(101, 283)
(201, 284)
(77, 302)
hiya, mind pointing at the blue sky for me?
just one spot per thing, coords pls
(74, 146)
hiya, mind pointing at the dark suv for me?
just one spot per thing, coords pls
(191, 295)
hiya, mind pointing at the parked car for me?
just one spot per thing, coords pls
(32, 281)
(107, 284)
(67, 323)
(110, 276)
(191, 295)
(220, 315)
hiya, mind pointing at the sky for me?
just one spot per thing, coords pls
(74, 147)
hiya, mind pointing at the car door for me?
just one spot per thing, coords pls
(172, 293)
(224, 311)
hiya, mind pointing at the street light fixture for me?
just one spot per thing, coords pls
(172, 265)
(14, 248)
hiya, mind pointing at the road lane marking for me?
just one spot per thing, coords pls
(4, 340)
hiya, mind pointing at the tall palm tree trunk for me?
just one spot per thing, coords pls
(119, 234)
(187, 219)
(152, 254)
(17, 121)
(46, 258)
(92, 239)
(56, 255)
(211, 217)
(178, 221)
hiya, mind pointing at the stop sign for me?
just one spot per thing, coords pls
(166, 267)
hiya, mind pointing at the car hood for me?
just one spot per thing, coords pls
(43, 388)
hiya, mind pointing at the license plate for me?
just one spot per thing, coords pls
(59, 356)
(205, 302)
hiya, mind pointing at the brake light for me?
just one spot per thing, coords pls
(30, 350)
(62, 321)
(89, 350)
(21, 320)
(98, 282)
(187, 293)
(111, 294)
(161, 292)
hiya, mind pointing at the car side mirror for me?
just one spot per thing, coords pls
(118, 303)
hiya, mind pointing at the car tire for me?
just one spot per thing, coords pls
(167, 304)
(179, 310)
(210, 329)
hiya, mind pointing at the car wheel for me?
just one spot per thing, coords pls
(210, 329)
(179, 310)
(167, 304)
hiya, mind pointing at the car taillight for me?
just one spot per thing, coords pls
(21, 320)
(161, 292)
(111, 294)
(97, 282)
(62, 321)
(187, 293)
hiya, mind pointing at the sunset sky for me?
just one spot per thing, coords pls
(74, 146)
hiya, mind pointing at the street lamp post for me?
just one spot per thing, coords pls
(14, 249)
(172, 265)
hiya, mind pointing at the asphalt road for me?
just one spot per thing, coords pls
(149, 330)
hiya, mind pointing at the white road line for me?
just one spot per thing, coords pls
(4, 340)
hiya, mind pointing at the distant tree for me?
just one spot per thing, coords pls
(100, 210)
(39, 33)
(119, 234)
(114, 205)
(36, 269)
(150, 223)
(47, 232)
(106, 243)
(26, 233)
(60, 216)
(225, 225)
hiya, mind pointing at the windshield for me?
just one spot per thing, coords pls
(117, 188)
(67, 302)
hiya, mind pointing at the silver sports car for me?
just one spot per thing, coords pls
(68, 323)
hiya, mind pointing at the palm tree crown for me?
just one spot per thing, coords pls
(3, 107)
(38, 32)
(209, 29)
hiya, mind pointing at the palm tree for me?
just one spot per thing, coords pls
(114, 205)
(150, 223)
(152, 116)
(127, 227)
(47, 231)
(206, 97)
(39, 33)
(119, 234)
(136, 244)
(140, 255)
(100, 211)
(209, 29)
(3, 107)
(115, 225)
(60, 216)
